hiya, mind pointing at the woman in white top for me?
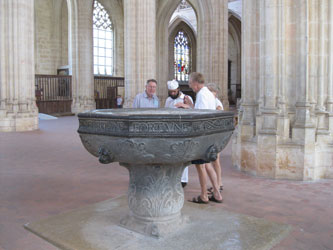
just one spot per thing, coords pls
(216, 164)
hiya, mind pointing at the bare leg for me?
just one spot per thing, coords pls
(217, 167)
(202, 179)
(212, 176)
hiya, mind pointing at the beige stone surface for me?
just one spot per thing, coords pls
(18, 111)
(139, 47)
(96, 227)
(51, 39)
(285, 117)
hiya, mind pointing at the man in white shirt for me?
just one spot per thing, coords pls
(204, 100)
(147, 99)
(176, 96)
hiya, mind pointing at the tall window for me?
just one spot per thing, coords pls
(103, 41)
(182, 57)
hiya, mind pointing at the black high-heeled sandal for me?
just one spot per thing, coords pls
(210, 190)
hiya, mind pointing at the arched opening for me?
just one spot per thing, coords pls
(182, 45)
(234, 59)
(53, 85)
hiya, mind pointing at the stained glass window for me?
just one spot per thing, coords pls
(103, 41)
(182, 57)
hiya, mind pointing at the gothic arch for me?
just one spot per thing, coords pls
(177, 25)
(178, 20)
(205, 39)
(234, 56)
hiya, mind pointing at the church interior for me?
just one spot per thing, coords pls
(272, 61)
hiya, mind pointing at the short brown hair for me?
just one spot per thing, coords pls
(197, 77)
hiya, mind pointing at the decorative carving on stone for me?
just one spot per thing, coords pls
(105, 156)
(182, 126)
(155, 145)
(155, 191)
(135, 149)
(183, 149)
(94, 126)
(211, 153)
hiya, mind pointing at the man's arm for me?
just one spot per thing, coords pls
(188, 103)
(183, 105)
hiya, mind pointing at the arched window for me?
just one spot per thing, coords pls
(181, 57)
(103, 41)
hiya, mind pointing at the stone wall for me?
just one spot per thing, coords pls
(234, 55)
(51, 43)
(285, 122)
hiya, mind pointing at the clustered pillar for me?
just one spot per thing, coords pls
(82, 58)
(140, 46)
(18, 111)
(285, 121)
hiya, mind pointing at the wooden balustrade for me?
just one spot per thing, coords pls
(106, 90)
(54, 93)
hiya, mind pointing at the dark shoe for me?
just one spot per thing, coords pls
(199, 200)
(212, 198)
(184, 184)
(210, 190)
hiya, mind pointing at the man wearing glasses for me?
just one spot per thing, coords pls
(147, 99)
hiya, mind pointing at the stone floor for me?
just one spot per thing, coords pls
(47, 172)
(96, 227)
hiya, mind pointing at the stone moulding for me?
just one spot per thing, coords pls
(172, 124)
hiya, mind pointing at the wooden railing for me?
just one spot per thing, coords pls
(106, 90)
(53, 94)
(53, 87)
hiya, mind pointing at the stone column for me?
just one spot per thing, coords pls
(270, 65)
(18, 111)
(322, 56)
(303, 106)
(212, 59)
(330, 67)
(82, 57)
(250, 78)
(243, 148)
(283, 121)
(139, 45)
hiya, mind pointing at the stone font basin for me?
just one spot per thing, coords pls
(155, 145)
